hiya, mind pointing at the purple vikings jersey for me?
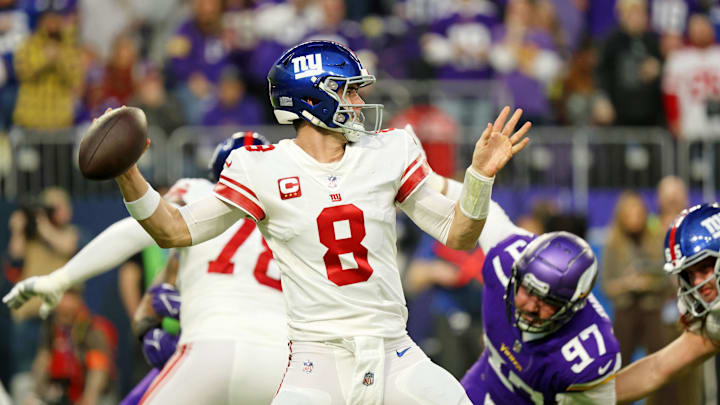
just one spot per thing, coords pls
(523, 368)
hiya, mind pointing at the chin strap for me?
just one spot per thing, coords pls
(350, 135)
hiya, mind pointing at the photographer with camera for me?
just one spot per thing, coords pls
(41, 240)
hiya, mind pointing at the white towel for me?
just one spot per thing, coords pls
(368, 379)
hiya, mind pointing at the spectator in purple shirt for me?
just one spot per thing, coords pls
(335, 27)
(459, 44)
(197, 49)
(458, 47)
(233, 107)
(278, 26)
(526, 60)
(197, 56)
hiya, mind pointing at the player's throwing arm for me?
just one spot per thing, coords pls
(110, 149)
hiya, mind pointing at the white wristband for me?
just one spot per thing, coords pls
(145, 206)
(475, 196)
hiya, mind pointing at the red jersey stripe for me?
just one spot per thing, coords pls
(240, 201)
(410, 166)
(286, 369)
(671, 241)
(412, 182)
(172, 364)
(235, 183)
(248, 138)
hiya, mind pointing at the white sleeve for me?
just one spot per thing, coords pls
(209, 217)
(454, 189)
(600, 395)
(113, 246)
(431, 211)
(498, 225)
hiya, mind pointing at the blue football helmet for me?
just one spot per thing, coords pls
(560, 269)
(693, 237)
(222, 151)
(311, 82)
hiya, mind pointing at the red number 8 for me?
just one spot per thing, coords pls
(326, 228)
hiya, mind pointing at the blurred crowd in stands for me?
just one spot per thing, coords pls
(204, 62)
(642, 63)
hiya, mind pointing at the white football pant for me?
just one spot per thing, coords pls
(321, 374)
(220, 372)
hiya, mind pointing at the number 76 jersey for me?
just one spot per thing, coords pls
(331, 227)
(517, 368)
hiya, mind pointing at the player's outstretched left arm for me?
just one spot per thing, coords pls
(497, 144)
(648, 374)
(113, 246)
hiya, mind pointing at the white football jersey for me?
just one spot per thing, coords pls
(230, 285)
(692, 75)
(331, 227)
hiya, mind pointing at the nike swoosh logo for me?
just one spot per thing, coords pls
(228, 164)
(603, 369)
(402, 352)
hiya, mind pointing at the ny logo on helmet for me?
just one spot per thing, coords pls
(712, 225)
(307, 65)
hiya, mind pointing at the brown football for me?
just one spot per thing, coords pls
(113, 143)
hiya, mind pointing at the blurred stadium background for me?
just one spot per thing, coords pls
(622, 94)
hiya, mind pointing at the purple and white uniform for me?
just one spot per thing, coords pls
(574, 364)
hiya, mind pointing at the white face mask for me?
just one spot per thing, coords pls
(351, 118)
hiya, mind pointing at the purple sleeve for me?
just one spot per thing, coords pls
(134, 397)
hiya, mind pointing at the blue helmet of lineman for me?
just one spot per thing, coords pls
(693, 237)
(311, 82)
(222, 151)
(560, 269)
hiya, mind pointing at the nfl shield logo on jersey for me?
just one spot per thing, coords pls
(332, 181)
(307, 366)
(369, 379)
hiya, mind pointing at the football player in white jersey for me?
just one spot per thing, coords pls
(692, 252)
(234, 329)
(325, 202)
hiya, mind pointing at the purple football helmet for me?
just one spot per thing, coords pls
(560, 269)
(693, 237)
(304, 84)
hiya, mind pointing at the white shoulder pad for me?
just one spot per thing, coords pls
(186, 191)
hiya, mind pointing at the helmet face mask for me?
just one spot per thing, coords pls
(350, 117)
(311, 81)
(560, 269)
(693, 238)
(691, 296)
